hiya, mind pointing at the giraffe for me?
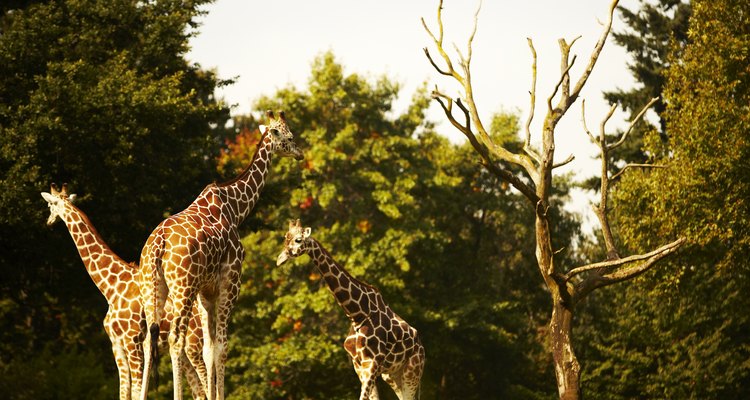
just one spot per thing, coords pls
(380, 343)
(124, 322)
(197, 254)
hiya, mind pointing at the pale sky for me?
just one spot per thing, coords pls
(269, 45)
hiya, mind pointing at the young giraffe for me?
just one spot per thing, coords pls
(124, 323)
(379, 342)
(197, 254)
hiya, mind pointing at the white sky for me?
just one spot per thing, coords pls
(268, 45)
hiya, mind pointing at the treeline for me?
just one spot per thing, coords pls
(99, 95)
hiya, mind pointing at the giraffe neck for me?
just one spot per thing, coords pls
(243, 191)
(352, 295)
(104, 266)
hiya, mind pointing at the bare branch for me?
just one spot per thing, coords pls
(473, 32)
(583, 119)
(602, 131)
(469, 107)
(567, 161)
(532, 94)
(564, 74)
(594, 54)
(633, 122)
(660, 252)
(634, 165)
(596, 281)
(564, 54)
(439, 45)
(448, 110)
(440, 71)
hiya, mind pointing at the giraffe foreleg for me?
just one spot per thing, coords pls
(134, 354)
(123, 370)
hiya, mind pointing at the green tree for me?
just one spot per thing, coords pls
(657, 33)
(690, 326)
(388, 197)
(97, 94)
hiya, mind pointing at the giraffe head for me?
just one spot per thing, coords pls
(295, 241)
(281, 137)
(56, 200)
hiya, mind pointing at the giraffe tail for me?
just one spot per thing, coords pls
(153, 330)
(153, 314)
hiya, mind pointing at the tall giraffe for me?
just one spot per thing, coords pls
(197, 253)
(380, 342)
(116, 280)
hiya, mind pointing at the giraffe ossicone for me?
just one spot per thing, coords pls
(116, 280)
(380, 343)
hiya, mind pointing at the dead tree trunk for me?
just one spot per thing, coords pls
(566, 288)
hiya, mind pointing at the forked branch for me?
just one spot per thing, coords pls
(596, 281)
(612, 270)
(475, 132)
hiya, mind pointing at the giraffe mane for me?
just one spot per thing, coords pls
(249, 165)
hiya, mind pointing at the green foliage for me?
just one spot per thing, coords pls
(97, 94)
(404, 210)
(54, 374)
(684, 334)
(657, 31)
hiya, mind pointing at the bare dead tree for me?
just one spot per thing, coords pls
(566, 288)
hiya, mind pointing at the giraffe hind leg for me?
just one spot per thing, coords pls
(395, 382)
(412, 375)
(368, 375)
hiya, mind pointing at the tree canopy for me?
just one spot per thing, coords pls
(686, 335)
(96, 94)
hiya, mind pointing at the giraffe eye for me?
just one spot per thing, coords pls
(298, 240)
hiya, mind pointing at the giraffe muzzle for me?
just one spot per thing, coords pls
(283, 256)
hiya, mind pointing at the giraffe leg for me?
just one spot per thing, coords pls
(368, 375)
(395, 382)
(230, 288)
(207, 310)
(182, 303)
(196, 369)
(412, 375)
(191, 375)
(135, 363)
(123, 370)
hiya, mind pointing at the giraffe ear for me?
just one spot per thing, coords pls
(262, 129)
(72, 197)
(307, 232)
